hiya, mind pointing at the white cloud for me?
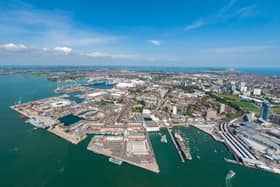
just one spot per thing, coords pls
(65, 50)
(98, 54)
(194, 25)
(226, 13)
(227, 6)
(13, 46)
(44, 27)
(154, 42)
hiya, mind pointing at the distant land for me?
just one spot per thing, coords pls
(272, 71)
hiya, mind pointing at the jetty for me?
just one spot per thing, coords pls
(175, 144)
(184, 146)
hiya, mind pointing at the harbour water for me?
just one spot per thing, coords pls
(40, 159)
(69, 119)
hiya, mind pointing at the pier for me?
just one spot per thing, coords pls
(185, 150)
(176, 146)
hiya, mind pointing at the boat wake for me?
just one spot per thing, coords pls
(228, 178)
(15, 149)
(61, 170)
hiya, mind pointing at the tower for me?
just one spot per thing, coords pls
(265, 110)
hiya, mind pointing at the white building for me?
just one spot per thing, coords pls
(242, 87)
(257, 91)
(174, 110)
(146, 111)
(125, 85)
(222, 108)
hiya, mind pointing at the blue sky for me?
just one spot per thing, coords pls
(215, 33)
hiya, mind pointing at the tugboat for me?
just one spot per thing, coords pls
(163, 139)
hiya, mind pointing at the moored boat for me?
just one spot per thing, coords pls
(115, 161)
(35, 123)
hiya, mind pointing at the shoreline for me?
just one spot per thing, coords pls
(236, 162)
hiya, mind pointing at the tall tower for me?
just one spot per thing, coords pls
(265, 110)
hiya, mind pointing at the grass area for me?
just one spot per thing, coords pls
(235, 102)
(191, 108)
(190, 89)
(106, 102)
(249, 107)
(137, 109)
(231, 115)
(276, 110)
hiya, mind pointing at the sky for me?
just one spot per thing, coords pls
(194, 33)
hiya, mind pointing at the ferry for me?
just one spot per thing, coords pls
(115, 161)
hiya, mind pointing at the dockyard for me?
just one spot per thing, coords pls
(120, 113)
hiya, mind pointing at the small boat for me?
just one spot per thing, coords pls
(198, 157)
(178, 137)
(35, 128)
(230, 174)
(163, 139)
(115, 161)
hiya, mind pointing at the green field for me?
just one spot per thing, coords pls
(276, 110)
(235, 102)
(248, 106)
